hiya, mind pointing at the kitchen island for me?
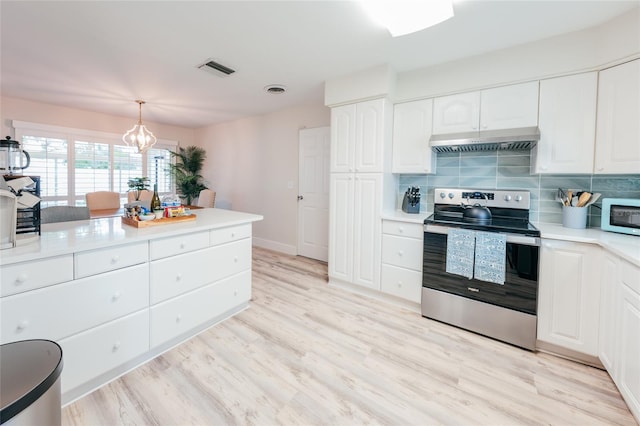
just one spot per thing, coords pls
(115, 296)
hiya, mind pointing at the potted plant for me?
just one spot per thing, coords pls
(138, 184)
(186, 171)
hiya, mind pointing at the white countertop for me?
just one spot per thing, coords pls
(405, 217)
(68, 237)
(625, 246)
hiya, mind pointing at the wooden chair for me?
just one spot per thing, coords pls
(103, 200)
(145, 195)
(63, 214)
(206, 198)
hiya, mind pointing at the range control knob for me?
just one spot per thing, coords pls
(442, 195)
(507, 198)
(518, 198)
(451, 195)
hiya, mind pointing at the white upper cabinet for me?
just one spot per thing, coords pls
(618, 123)
(567, 122)
(456, 113)
(505, 107)
(412, 123)
(509, 107)
(359, 137)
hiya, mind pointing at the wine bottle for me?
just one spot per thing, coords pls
(155, 201)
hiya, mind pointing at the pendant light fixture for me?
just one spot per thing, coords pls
(139, 136)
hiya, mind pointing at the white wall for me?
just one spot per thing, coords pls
(589, 49)
(35, 112)
(251, 161)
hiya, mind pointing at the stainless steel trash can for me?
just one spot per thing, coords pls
(30, 383)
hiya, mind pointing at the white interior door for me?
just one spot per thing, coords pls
(313, 196)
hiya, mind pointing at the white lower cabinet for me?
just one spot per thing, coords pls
(620, 330)
(96, 351)
(59, 311)
(569, 296)
(401, 271)
(177, 316)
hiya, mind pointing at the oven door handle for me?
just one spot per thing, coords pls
(511, 238)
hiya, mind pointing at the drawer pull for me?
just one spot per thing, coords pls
(116, 296)
(233, 235)
(400, 253)
(116, 346)
(183, 245)
(400, 229)
(22, 325)
(179, 318)
(399, 284)
(235, 259)
(179, 277)
(475, 290)
(21, 278)
(115, 259)
(235, 292)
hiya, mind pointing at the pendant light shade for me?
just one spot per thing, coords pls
(139, 136)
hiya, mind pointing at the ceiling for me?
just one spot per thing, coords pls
(102, 55)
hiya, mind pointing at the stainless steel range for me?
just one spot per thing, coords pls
(480, 263)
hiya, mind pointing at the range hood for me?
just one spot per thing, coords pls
(489, 140)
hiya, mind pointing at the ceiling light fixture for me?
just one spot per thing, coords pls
(139, 136)
(275, 89)
(407, 16)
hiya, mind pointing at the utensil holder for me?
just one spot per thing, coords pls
(574, 217)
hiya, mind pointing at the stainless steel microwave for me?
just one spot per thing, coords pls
(621, 215)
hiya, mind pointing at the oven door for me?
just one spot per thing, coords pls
(520, 289)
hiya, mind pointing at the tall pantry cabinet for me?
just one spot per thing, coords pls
(360, 159)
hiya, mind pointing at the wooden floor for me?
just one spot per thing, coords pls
(309, 354)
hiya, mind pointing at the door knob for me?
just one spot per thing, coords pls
(300, 197)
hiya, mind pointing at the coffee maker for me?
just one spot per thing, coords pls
(13, 160)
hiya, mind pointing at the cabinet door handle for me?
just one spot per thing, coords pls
(235, 259)
(115, 259)
(116, 296)
(20, 279)
(116, 346)
(178, 277)
(178, 317)
(235, 292)
(399, 284)
(22, 325)
(400, 253)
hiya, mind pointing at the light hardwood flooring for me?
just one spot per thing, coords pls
(305, 353)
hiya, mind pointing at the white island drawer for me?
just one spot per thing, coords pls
(94, 262)
(96, 351)
(172, 246)
(404, 252)
(177, 316)
(403, 229)
(232, 233)
(62, 310)
(180, 274)
(25, 276)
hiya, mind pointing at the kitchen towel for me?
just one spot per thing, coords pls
(460, 249)
(490, 257)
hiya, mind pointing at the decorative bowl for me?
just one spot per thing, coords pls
(147, 216)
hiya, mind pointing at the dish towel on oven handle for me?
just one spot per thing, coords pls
(490, 257)
(460, 250)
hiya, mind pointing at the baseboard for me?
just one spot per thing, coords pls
(276, 246)
(375, 294)
(569, 354)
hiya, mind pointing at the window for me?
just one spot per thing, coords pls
(72, 162)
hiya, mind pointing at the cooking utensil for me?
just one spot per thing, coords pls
(584, 199)
(563, 196)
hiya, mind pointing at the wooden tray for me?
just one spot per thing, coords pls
(157, 222)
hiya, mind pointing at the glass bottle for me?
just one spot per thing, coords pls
(155, 201)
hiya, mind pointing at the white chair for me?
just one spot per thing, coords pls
(206, 198)
(102, 200)
(8, 213)
(63, 214)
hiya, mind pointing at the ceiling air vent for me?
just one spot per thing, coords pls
(216, 68)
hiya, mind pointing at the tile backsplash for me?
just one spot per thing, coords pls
(511, 170)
